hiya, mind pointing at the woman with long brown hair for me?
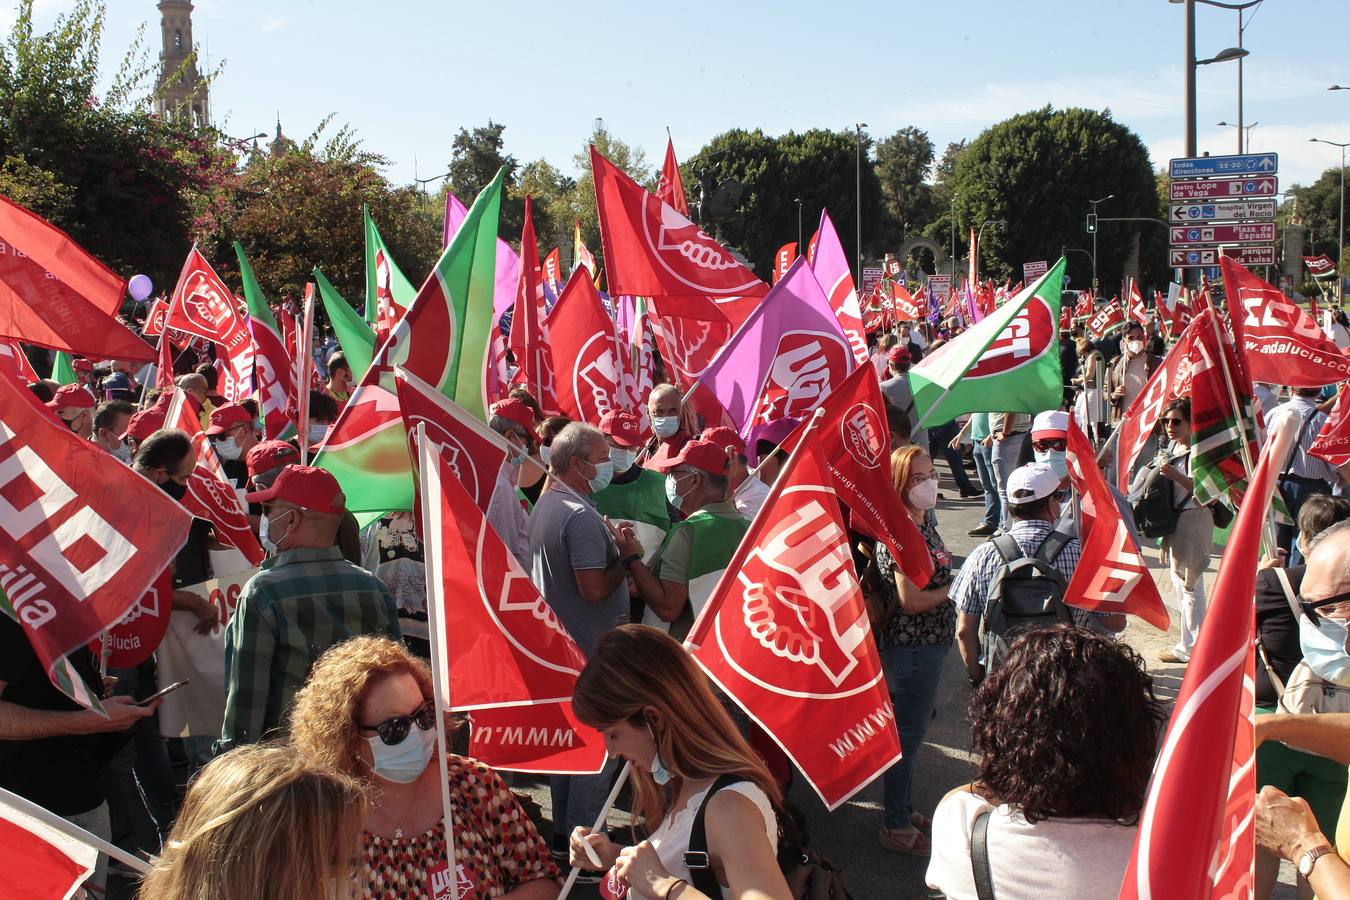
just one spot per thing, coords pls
(366, 710)
(258, 823)
(913, 641)
(657, 711)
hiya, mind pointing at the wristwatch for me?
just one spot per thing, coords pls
(627, 561)
(1310, 858)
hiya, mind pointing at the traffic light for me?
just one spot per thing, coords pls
(1092, 223)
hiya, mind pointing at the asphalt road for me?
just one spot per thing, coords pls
(848, 835)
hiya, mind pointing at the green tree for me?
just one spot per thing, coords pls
(577, 201)
(904, 161)
(1037, 171)
(551, 191)
(475, 157)
(1319, 208)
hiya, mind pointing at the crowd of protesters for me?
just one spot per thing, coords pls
(321, 780)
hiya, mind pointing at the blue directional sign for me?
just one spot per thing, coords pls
(1212, 166)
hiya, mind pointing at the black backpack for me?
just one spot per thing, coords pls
(1155, 513)
(1026, 592)
(809, 875)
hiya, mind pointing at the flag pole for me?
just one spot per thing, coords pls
(305, 361)
(436, 632)
(599, 824)
(74, 832)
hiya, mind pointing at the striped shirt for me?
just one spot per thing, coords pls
(302, 602)
(970, 590)
(1300, 463)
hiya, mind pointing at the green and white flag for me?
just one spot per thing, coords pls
(382, 274)
(356, 337)
(1007, 362)
(63, 372)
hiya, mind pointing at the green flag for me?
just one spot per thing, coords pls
(355, 336)
(1008, 362)
(62, 371)
(381, 270)
(442, 339)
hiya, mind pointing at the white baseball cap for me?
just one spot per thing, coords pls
(1051, 424)
(1032, 482)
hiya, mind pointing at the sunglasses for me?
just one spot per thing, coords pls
(1174, 421)
(1310, 607)
(1050, 444)
(394, 729)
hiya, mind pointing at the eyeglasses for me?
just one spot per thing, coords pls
(1310, 607)
(1050, 444)
(394, 729)
(1172, 421)
(1061, 496)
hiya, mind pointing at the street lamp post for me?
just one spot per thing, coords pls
(979, 240)
(858, 199)
(1192, 63)
(801, 251)
(953, 235)
(1244, 134)
(1094, 239)
(1340, 241)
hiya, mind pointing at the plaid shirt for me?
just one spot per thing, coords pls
(302, 602)
(970, 590)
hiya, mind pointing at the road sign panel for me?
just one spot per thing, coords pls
(1191, 257)
(1223, 211)
(1034, 270)
(1226, 188)
(1251, 233)
(1208, 166)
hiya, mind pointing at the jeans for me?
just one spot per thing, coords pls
(1006, 454)
(1295, 491)
(939, 444)
(142, 795)
(912, 675)
(984, 468)
(577, 800)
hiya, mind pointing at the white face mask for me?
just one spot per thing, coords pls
(1056, 460)
(543, 453)
(665, 426)
(1134, 347)
(925, 495)
(228, 449)
(123, 452)
(318, 432)
(623, 459)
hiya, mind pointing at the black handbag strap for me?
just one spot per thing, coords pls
(696, 858)
(979, 856)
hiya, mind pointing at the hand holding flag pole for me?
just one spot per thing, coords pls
(599, 824)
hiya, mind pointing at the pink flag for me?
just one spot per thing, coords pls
(785, 359)
(831, 269)
(508, 261)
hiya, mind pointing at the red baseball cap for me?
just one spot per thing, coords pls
(81, 365)
(145, 423)
(267, 455)
(623, 427)
(514, 410)
(723, 437)
(1049, 425)
(223, 418)
(305, 487)
(71, 396)
(898, 353)
(703, 455)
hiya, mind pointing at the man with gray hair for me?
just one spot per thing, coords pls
(580, 563)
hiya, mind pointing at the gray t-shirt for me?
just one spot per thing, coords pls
(567, 534)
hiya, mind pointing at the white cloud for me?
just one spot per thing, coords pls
(274, 23)
(1301, 161)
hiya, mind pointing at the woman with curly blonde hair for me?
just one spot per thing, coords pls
(367, 710)
(258, 823)
(656, 709)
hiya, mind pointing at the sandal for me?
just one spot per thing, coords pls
(910, 841)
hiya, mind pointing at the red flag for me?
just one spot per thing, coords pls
(83, 536)
(1320, 266)
(137, 634)
(467, 447)
(553, 271)
(13, 361)
(1138, 312)
(670, 189)
(907, 307)
(1333, 442)
(154, 318)
(782, 260)
(1282, 344)
(201, 305)
(854, 442)
(504, 647)
(651, 250)
(785, 634)
(1084, 307)
(164, 363)
(1196, 836)
(1066, 318)
(1170, 380)
(586, 355)
(1113, 576)
(1107, 319)
(39, 862)
(53, 294)
(529, 333)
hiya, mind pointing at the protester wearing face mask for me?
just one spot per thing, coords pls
(636, 495)
(664, 415)
(1050, 440)
(367, 711)
(697, 549)
(74, 406)
(1130, 371)
(748, 493)
(895, 387)
(914, 641)
(110, 424)
(232, 436)
(514, 421)
(580, 563)
(305, 599)
(265, 461)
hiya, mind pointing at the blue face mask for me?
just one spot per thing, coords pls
(673, 492)
(604, 474)
(1056, 460)
(660, 774)
(1324, 649)
(665, 426)
(623, 459)
(265, 537)
(543, 453)
(405, 761)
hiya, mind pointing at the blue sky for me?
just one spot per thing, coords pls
(406, 75)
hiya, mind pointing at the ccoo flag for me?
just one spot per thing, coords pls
(1009, 362)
